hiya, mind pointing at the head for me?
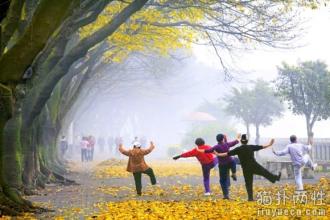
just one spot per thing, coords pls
(244, 139)
(136, 144)
(293, 139)
(199, 141)
(220, 138)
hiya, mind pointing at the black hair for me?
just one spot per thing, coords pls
(220, 138)
(244, 139)
(199, 141)
(293, 138)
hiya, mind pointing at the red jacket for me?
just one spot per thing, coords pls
(204, 158)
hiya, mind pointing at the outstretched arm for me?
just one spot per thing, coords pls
(282, 152)
(221, 154)
(191, 153)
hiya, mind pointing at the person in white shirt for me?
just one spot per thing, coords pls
(300, 158)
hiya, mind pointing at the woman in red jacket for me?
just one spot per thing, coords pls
(207, 160)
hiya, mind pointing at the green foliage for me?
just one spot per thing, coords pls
(258, 106)
(306, 88)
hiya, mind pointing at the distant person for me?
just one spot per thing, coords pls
(137, 165)
(225, 163)
(249, 164)
(101, 144)
(83, 146)
(110, 142)
(207, 161)
(90, 148)
(299, 157)
(63, 145)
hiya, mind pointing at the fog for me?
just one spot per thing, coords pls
(149, 96)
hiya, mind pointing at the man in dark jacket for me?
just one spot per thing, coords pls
(249, 164)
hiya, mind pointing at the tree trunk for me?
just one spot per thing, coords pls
(257, 141)
(248, 130)
(310, 135)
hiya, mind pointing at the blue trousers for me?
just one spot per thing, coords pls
(225, 177)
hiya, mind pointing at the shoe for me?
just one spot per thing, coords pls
(250, 200)
(207, 194)
(314, 166)
(226, 197)
(234, 177)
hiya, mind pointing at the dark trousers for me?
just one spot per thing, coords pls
(206, 168)
(257, 169)
(83, 155)
(138, 182)
(225, 178)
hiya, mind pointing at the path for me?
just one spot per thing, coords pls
(79, 201)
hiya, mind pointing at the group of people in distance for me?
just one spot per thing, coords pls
(221, 155)
(87, 145)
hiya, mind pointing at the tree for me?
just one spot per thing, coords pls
(39, 47)
(306, 89)
(258, 106)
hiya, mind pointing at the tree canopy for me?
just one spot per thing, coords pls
(306, 88)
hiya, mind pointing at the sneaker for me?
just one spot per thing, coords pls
(234, 177)
(314, 166)
(207, 194)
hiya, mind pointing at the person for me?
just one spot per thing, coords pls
(299, 157)
(225, 163)
(207, 161)
(83, 147)
(63, 145)
(249, 164)
(101, 144)
(90, 148)
(137, 165)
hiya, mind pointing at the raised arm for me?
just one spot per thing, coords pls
(123, 150)
(271, 142)
(147, 151)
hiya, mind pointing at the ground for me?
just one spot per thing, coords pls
(106, 191)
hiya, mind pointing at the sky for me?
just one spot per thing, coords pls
(263, 63)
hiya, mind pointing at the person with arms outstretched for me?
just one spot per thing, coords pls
(299, 157)
(207, 161)
(249, 164)
(137, 165)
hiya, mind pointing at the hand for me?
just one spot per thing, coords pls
(120, 145)
(271, 142)
(273, 151)
(176, 157)
(152, 144)
(238, 136)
